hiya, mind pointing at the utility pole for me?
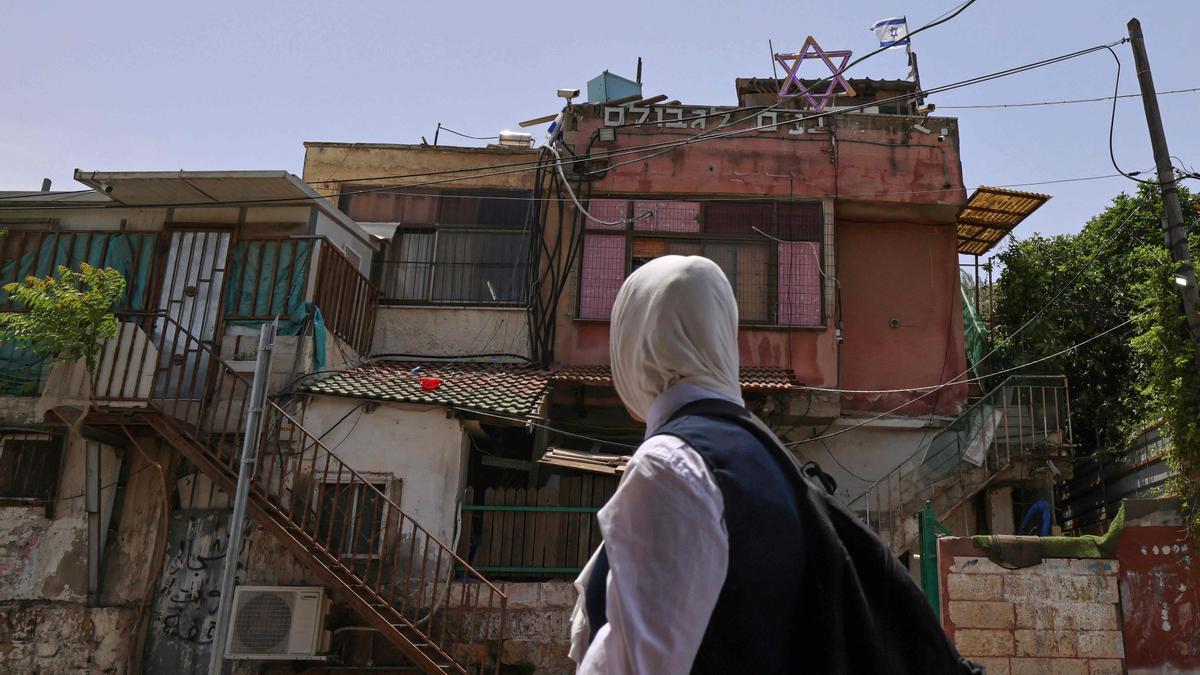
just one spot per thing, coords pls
(258, 397)
(1176, 230)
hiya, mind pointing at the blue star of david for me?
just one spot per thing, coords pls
(835, 85)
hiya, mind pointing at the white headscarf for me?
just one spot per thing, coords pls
(674, 320)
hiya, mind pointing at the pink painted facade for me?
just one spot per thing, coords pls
(888, 197)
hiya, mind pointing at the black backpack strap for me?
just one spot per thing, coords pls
(809, 472)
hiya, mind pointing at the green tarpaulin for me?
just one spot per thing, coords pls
(21, 371)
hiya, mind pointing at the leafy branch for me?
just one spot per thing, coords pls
(68, 316)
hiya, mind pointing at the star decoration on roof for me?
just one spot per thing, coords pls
(836, 85)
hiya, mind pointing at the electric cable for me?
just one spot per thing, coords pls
(1042, 310)
(1112, 123)
(575, 200)
(946, 16)
(540, 425)
(474, 138)
(1062, 102)
(930, 393)
(652, 147)
(843, 467)
(704, 136)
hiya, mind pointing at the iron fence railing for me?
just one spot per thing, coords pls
(451, 283)
(346, 519)
(1024, 417)
(347, 299)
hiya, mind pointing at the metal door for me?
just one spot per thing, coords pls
(190, 311)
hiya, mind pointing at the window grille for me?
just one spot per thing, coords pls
(455, 247)
(29, 467)
(775, 282)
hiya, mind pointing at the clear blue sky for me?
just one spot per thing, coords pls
(240, 85)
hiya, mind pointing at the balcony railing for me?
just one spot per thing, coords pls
(1026, 417)
(205, 280)
(430, 283)
(347, 299)
(347, 521)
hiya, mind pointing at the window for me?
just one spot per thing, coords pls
(350, 516)
(29, 465)
(454, 247)
(776, 279)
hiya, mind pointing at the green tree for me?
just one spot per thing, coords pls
(68, 315)
(1116, 269)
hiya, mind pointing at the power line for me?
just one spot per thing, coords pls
(1062, 102)
(957, 379)
(540, 425)
(775, 106)
(949, 383)
(1112, 123)
(924, 93)
(656, 148)
(474, 138)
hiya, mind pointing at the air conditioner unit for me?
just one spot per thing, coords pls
(276, 622)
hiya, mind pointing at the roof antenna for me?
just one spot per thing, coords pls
(639, 70)
(774, 73)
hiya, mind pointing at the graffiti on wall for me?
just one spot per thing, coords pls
(1160, 600)
(183, 620)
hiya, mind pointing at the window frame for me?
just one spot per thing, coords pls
(435, 226)
(702, 237)
(47, 490)
(325, 484)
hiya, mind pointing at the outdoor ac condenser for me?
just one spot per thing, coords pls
(276, 622)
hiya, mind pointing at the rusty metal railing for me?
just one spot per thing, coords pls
(1026, 417)
(408, 575)
(347, 299)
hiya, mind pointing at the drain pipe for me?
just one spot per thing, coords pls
(258, 396)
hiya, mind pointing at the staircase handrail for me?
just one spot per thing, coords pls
(378, 494)
(983, 401)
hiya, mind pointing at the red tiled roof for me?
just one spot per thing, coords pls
(501, 388)
(753, 378)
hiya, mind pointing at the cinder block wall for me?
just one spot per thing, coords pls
(1061, 616)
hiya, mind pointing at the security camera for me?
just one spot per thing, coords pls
(918, 127)
(568, 93)
(106, 187)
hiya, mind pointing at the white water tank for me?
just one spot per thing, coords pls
(516, 139)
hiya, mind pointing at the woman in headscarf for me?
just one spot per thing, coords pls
(718, 556)
(666, 546)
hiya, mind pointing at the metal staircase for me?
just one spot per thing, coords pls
(400, 579)
(1025, 419)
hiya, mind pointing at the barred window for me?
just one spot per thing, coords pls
(452, 247)
(776, 279)
(29, 466)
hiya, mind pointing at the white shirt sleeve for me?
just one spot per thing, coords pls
(668, 553)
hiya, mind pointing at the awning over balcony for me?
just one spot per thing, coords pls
(199, 188)
(990, 214)
(212, 188)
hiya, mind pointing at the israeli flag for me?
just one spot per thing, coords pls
(892, 33)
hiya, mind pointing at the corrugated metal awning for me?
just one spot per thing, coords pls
(594, 462)
(199, 188)
(990, 214)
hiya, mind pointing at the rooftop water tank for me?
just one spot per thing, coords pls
(606, 87)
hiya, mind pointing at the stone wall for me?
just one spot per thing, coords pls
(65, 638)
(1060, 616)
(45, 623)
(539, 626)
